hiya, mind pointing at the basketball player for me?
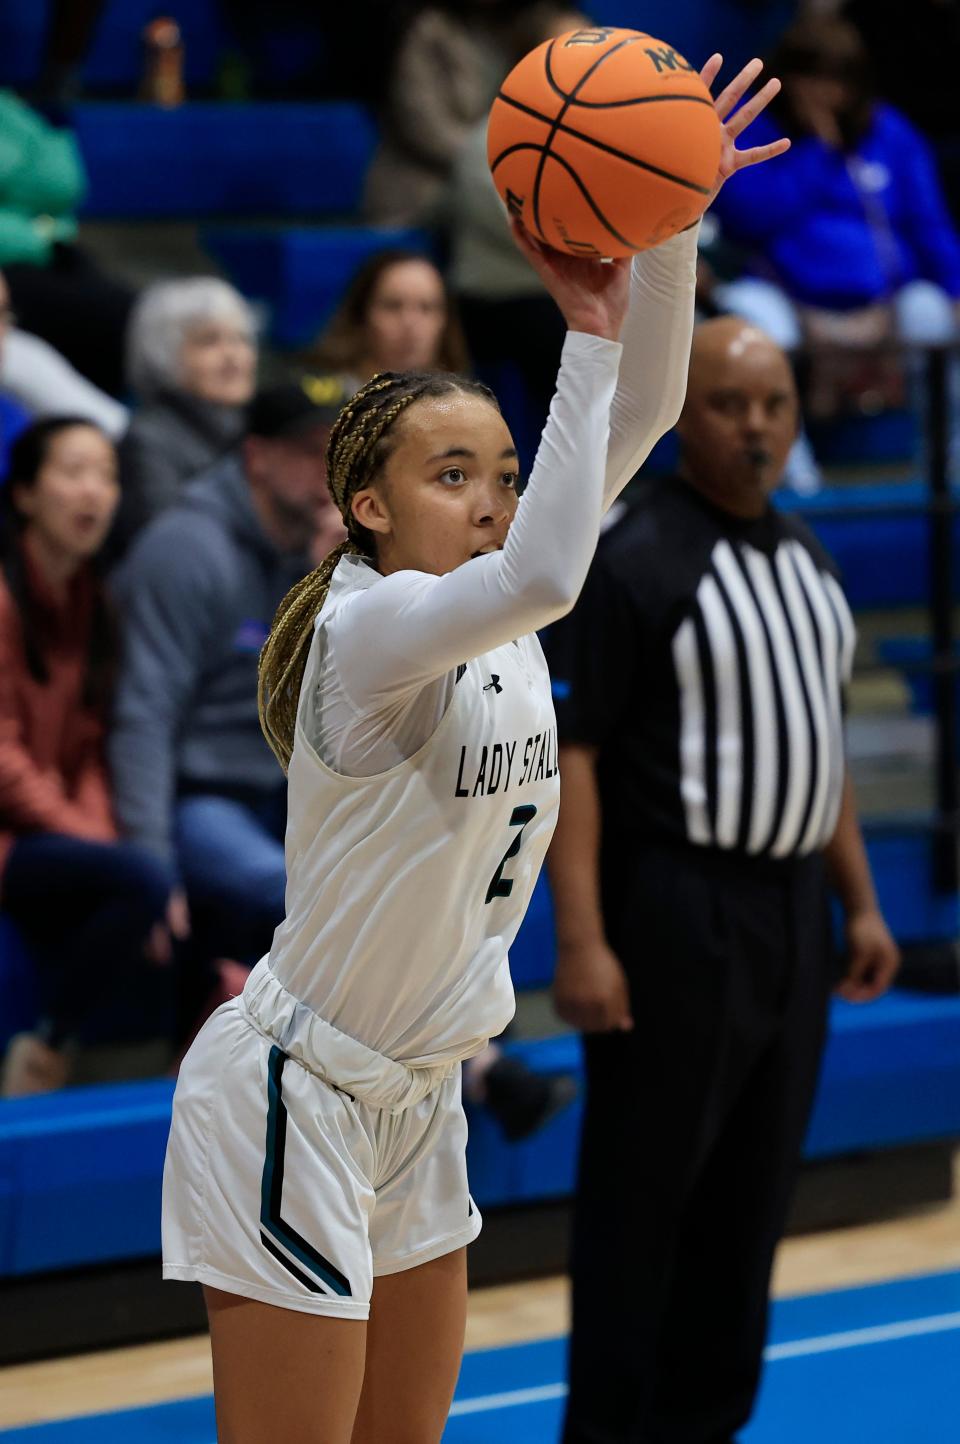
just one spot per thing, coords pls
(318, 1135)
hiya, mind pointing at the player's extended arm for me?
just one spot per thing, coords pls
(656, 340)
(589, 987)
(413, 627)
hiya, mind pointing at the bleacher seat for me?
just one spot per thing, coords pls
(890, 437)
(891, 1076)
(531, 957)
(298, 273)
(80, 1175)
(902, 863)
(223, 159)
(881, 540)
(80, 1170)
(913, 656)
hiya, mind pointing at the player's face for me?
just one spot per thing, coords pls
(739, 423)
(71, 503)
(448, 490)
(405, 318)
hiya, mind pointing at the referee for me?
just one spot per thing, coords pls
(706, 807)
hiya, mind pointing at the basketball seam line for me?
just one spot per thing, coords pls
(528, 145)
(635, 100)
(570, 97)
(563, 110)
(602, 145)
(618, 104)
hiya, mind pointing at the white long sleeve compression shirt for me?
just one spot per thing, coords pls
(391, 645)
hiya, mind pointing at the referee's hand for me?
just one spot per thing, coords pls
(873, 957)
(590, 990)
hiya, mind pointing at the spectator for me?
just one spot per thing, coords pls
(196, 784)
(395, 315)
(59, 841)
(36, 377)
(849, 233)
(58, 292)
(13, 416)
(706, 803)
(451, 59)
(927, 92)
(191, 359)
(69, 31)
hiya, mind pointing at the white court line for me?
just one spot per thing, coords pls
(857, 1338)
(509, 1400)
(796, 1349)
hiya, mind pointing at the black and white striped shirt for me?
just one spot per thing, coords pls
(707, 661)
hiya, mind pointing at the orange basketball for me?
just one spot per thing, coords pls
(604, 142)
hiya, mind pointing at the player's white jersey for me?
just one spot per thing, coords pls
(406, 889)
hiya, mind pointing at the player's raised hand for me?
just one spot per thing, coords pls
(734, 122)
(592, 294)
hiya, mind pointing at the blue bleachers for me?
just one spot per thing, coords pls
(216, 158)
(80, 1171)
(115, 57)
(883, 556)
(914, 655)
(891, 1076)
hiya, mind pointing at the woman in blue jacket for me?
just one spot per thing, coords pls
(849, 239)
(854, 216)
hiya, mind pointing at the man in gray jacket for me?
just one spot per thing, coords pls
(194, 780)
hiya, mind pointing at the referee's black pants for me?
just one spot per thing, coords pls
(692, 1138)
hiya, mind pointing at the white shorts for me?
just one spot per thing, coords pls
(301, 1164)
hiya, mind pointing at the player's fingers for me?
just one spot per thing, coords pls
(761, 152)
(749, 111)
(727, 99)
(711, 70)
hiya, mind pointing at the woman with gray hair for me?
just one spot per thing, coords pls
(191, 359)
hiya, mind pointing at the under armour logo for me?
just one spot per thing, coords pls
(494, 683)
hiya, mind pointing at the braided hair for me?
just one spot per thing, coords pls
(359, 446)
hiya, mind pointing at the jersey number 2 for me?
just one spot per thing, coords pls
(501, 886)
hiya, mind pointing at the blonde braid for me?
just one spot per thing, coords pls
(283, 656)
(351, 459)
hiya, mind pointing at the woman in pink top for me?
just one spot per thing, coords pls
(87, 904)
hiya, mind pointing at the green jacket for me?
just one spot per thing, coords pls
(41, 184)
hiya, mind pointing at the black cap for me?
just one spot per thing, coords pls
(295, 407)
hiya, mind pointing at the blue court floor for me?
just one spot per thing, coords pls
(875, 1365)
